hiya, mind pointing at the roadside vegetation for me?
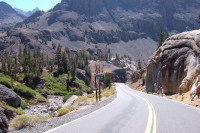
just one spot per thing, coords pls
(32, 76)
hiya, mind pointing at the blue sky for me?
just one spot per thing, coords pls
(28, 5)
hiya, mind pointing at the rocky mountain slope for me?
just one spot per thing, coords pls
(8, 14)
(125, 26)
(175, 66)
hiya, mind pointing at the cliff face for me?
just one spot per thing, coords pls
(139, 15)
(176, 64)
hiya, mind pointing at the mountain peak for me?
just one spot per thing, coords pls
(4, 7)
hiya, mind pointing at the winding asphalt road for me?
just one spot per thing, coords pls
(136, 112)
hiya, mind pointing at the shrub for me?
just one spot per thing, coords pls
(56, 85)
(66, 97)
(24, 91)
(63, 111)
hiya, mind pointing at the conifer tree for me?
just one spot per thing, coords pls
(65, 62)
(160, 39)
(107, 80)
(139, 65)
(199, 19)
(59, 56)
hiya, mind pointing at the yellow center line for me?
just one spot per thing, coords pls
(151, 124)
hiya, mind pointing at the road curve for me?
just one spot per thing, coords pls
(136, 112)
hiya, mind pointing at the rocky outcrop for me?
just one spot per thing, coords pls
(5, 116)
(176, 64)
(9, 96)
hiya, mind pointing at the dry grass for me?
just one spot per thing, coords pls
(72, 107)
(109, 92)
(22, 121)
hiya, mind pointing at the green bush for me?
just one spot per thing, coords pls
(57, 85)
(8, 82)
(24, 91)
(63, 111)
(66, 97)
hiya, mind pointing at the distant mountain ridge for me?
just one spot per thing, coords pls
(128, 27)
(27, 13)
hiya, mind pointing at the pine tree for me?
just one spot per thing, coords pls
(73, 71)
(65, 62)
(139, 65)
(59, 56)
(51, 65)
(160, 39)
(20, 54)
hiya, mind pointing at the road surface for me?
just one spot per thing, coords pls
(136, 112)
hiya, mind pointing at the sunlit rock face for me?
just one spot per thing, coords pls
(176, 64)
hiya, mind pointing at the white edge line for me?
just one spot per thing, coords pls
(83, 116)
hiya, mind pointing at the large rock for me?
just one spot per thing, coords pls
(5, 116)
(176, 64)
(9, 96)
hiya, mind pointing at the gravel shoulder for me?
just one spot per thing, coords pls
(55, 122)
